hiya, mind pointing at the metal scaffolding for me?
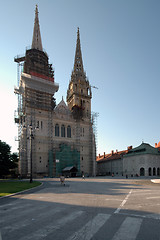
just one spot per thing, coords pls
(31, 102)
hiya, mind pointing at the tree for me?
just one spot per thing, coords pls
(8, 161)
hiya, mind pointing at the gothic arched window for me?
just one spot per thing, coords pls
(69, 132)
(62, 131)
(57, 130)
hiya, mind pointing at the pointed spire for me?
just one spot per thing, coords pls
(36, 41)
(78, 63)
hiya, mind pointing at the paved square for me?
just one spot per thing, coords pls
(91, 208)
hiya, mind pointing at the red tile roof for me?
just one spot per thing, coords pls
(111, 156)
(157, 145)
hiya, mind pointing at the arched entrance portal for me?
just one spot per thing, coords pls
(149, 171)
(142, 172)
(158, 172)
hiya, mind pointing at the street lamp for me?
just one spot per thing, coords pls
(30, 138)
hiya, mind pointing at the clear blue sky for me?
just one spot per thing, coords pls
(120, 42)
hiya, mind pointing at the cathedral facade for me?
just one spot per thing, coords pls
(53, 137)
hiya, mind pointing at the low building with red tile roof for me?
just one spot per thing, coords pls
(143, 160)
(111, 163)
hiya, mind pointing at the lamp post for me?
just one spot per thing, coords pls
(31, 137)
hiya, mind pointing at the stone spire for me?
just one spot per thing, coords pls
(79, 91)
(36, 41)
(78, 63)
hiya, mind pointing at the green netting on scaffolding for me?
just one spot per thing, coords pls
(50, 164)
(66, 157)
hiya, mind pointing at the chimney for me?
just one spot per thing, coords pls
(129, 148)
(155, 145)
(99, 155)
(112, 152)
(116, 150)
(104, 154)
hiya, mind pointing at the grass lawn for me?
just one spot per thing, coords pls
(9, 187)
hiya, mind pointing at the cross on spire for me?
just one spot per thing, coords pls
(36, 41)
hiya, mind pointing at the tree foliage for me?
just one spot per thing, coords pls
(8, 160)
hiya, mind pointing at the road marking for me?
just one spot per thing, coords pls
(142, 194)
(152, 197)
(142, 190)
(19, 214)
(124, 201)
(112, 199)
(151, 216)
(50, 228)
(129, 229)
(88, 230)
(9, 204)
(12, 204)
(14, 208)
(17, 225)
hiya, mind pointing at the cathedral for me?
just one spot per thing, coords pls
(53, 139)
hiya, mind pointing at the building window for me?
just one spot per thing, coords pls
(62, 131)
(81, 131)
(57, 130)
(142, 171)
(149, 171)
(37, 124)
(69, 132)
(41, 124)
(154, 171)
(87, 113)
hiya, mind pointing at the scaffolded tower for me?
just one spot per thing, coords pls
(79, 97)
(35, 90)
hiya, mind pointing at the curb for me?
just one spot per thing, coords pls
(155, 180)
(13, 194)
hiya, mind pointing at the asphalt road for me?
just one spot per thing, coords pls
(94, 208)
